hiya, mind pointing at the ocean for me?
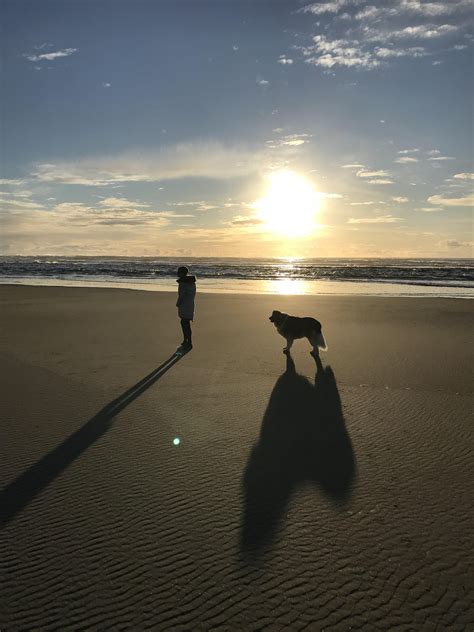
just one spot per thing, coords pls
(371, 277)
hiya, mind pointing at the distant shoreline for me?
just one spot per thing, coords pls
(289, 287)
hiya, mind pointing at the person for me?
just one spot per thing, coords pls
(185, 304)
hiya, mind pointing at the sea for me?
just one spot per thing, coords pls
(447, 278)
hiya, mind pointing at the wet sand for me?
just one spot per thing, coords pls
(299, 496)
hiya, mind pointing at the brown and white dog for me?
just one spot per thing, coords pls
(293, 327)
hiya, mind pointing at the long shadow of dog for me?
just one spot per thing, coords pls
(303, 438)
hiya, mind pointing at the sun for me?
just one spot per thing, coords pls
(290, 204)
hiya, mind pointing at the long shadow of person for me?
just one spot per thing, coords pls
(303, 438)
(20, 492)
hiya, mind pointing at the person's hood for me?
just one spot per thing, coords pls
(187, 279)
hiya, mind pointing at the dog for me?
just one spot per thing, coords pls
(293, 327)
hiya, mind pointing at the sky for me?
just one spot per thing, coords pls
(339, 128)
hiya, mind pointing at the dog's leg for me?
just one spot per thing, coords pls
(289, 344)
(314, 343)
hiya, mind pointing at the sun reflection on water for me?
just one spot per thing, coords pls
(287, 286)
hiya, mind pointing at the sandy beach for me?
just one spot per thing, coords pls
(233, 488)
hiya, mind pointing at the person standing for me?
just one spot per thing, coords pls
(185, 304)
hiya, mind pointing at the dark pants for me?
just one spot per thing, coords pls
(186, 327)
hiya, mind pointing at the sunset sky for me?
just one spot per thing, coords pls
(260, 128)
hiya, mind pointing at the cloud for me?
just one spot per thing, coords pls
(187, 160)
(400, 199)
(285, 61)
(121, 203)
(387, 53)
(453, 244)
(318, 8)
(406, 160)
(291, 140)
(172, 214)
(464, 176)
(241, 220)
(429, 209)
(328, 53)
(106, 85)
(441, 158)
(15, 204)
(200, 205)
(263, 82)
(9, 182)
(382, 219)
(369, 36)
(413, 7)
(444, 201)
(424, 31)
(354, 166)
(112, 213)
(52, 56)
(408, 151)
(362, 203)
(381, 181)
(363, 173)
(331, 196)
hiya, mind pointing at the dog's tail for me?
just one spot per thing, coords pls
(321, 342)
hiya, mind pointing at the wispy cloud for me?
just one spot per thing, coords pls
(9, 182)
(364, 173)
(429, 209)
(291, 140)
(244, 220)
(441, 158)
(441, 200)
(454, 244)
(406, 160)
(11, 203)
(425, 31)
(51, 56)
(121, 203)
(364, 35)
(285, 61)
(327, 53)
(330, 196)
(187, 160)
(464, 176)
(381, 219)
(362, 203)
(319, 8)
(401, 8)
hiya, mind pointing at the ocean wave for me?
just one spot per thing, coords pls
(441, 272)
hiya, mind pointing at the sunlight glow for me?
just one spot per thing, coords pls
(290, 204)
(288, 286)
